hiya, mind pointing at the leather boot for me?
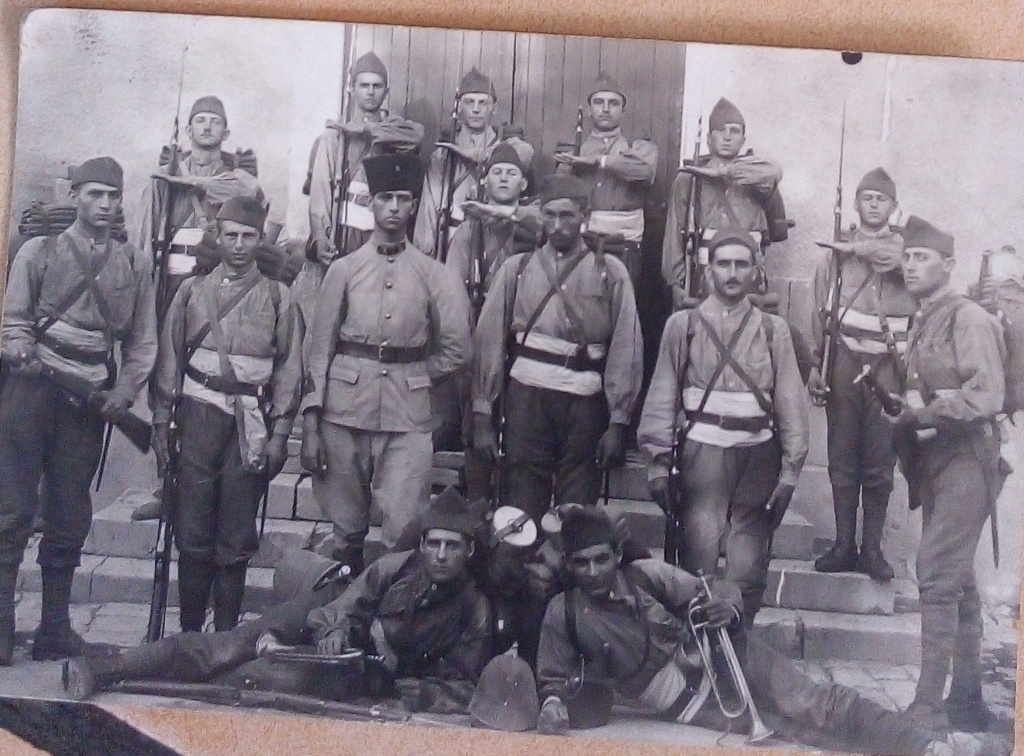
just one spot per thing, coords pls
(938, 637)
(8, 582)
(82, 676)
(228, 590)
(842, 557)
(871, 561)
(195, 578)
(965, 706)
(55, 638)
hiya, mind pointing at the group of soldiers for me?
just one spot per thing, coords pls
(510, 319)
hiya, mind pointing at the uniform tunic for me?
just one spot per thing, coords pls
(41, 428)
(555, 415)
(728, 473)
(954, 359)
(377, 416)
(435, 187)
(612, 632)
(737, 200)
(427, 630)
(860, 448)
(223, 445)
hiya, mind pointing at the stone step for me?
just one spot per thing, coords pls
(114, 533)
(793, 540)
(793, 584)
(104, 579)
(815, 635)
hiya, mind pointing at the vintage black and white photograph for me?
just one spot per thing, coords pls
(591, 388)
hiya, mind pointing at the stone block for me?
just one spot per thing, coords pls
(115, 533)
(629, 481)
(795, 585)
(30, 578)
(279, 536)
(259, 589)
(125, 580)
(281, 495)
(813, 499)
(794, 538)
(827, 636)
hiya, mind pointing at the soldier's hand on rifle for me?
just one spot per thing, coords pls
(611, 449)
(485, 210)
(326, 252)
(817, 387)
(277, 262)
(313, 454)
(277, 455)
(115, 406)
(843, 249)
(567, 158)
(470, 156)
(485, 440)
(778, 503)
(356, 128)
(161, 444)
(333, 643)
(660, 493)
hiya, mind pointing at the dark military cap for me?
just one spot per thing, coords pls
(920, 233)
(449, 511)
(370, 63)
(208, 104)
(558, 186)
(101, 170)
(585, 527)
(245, 210)
(731, 235)
(506, 696)
(725, 112)
(393, 173)
(505, 153)
(606, 83)
(878, 181)
(476, 82)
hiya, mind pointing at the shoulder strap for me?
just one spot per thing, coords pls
(556, 286)
(570, 621)
(222, 311)
(724, 352)
(726, 357)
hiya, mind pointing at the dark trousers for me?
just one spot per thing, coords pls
(217, 497)
(860, 447)
(727, 488)
(44, 431)
(551, 442)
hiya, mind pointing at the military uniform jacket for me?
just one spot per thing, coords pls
(262, 338)
(737, 200)
(436, 630)
(600, 291)
(389, 134)
(40, 280)
(955, 355)
(497, 236)
(772, 367)
(404, 300)
(873, 288)
(624, 645)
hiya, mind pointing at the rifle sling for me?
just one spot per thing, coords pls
(571, 313)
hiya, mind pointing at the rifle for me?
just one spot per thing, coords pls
(162, 242)
(890, 404)
(476, 268)
(577, 145)
(164, 537)
(442, 223)
(339, 199)
(134, 428)
(830, 315)
(692, 233)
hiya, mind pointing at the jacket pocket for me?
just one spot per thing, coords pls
(341, 388)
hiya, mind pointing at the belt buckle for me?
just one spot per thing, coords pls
(380, 351)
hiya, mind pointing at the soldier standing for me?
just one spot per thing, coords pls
(229, 366)
(618, 172)
(955, 389)
(69, 301)
(576, 360)
(874, 315)
(389, 322)
(727, 381)
(340, 218)
(469, 147)
(733, 189)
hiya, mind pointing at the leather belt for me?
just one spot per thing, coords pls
(383, 352)
(726, 422)
(69, 352)
(224, 385)
(579, 362)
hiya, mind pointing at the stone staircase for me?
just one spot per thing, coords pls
(814, 615)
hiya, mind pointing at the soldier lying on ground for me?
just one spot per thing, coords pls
(618, 631)
(419, 611)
